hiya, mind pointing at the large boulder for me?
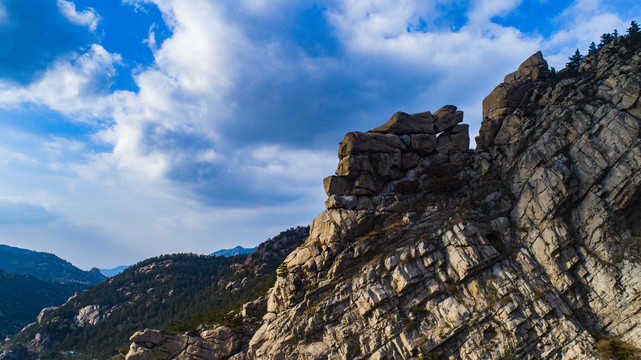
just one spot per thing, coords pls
(534, 68)
(88, 315)
(447, 117)
(363, 143)
(402, 123)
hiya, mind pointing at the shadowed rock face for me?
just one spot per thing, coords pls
(392, 159)
(525, 248)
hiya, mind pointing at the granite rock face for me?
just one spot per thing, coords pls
(218, 343)
(528, 247)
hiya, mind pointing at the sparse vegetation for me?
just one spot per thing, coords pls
(282, 270)
(632, 39)
(613, 348)
(507, 353)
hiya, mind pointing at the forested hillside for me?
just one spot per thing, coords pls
(45, 266)
(176, 292)
(23, 296)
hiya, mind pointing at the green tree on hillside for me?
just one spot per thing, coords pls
(634, 33)
(575, 61)
(605, 40)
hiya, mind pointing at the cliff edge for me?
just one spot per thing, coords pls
(528, 247)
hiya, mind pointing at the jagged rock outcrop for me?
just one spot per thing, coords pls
(392, 158)
(218, 343)
(88, 315)
(528, 247)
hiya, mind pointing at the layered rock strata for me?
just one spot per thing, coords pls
(528, 247)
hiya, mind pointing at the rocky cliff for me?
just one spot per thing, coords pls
(528, 247)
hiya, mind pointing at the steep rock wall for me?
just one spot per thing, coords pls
(528, 247)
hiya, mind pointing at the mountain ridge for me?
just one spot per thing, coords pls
(234, 251)
(45, 266)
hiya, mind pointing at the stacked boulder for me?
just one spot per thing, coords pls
(388, 160)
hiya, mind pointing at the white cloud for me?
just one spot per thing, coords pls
(280, 170)
(481, 11)
(88, 18)
(7, 156)
(73, 85)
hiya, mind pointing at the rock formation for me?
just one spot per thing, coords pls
(218, 343)
(528, 247)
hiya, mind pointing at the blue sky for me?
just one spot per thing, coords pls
(134, 128)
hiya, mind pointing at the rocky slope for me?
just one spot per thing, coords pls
(528, 247)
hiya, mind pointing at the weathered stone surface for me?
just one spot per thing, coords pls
(409, 160)
(215, 344)
(524, 253)
(502, 101)
(255, 309)
(454, 140)
(341, 202)
(363, 143)
(336, 185)
(447, 117)
(403, 123)
(88, 315)
(509, 96)
(534, 68)
(423, 144)
(352, 165)
(45, 312)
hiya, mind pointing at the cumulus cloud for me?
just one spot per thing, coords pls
(88, 18)
(74, 85)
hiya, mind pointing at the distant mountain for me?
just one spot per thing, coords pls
(113, 272)
(175, 292)
(23, 296)
(233, 252)
(45, 266)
